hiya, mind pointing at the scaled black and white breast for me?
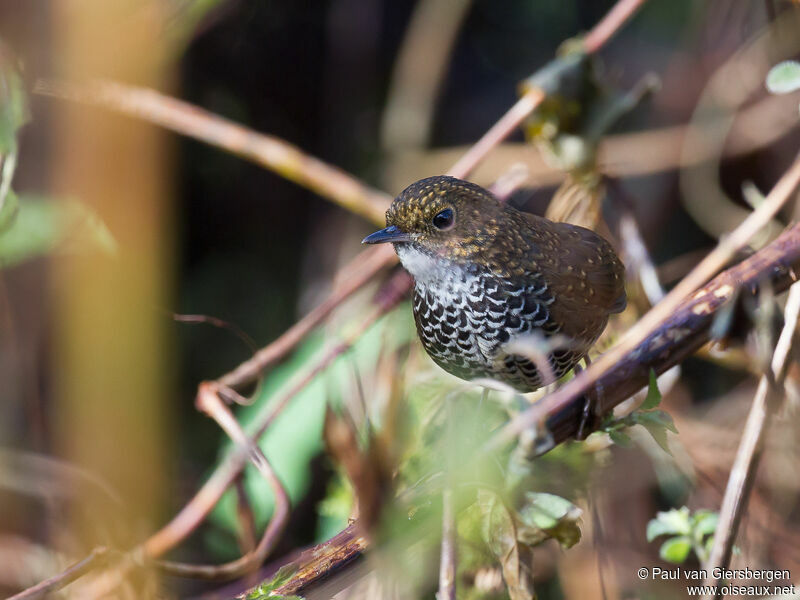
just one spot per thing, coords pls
(466, 317)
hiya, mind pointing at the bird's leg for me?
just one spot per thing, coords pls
(589, 414)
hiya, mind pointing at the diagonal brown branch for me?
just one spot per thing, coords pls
(268, 151)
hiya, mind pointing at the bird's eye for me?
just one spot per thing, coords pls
(444, 219)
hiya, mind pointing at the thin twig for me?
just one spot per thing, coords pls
(364, 268)
(209, 402)
(55, 583)
(268, 151)
(650, 322)
(609, 25)
(498, 132)
(748, 456)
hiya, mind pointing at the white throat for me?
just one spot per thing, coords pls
(425, 269)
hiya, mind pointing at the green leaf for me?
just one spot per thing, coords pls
(557, 517)
(657, 423)
(44, 225)
(676, 550)
(784, 77)
(675, 521)
(620, 438)
(653, 398)
(704, 522)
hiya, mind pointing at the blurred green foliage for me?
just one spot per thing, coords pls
(43, 225)
(686, 532)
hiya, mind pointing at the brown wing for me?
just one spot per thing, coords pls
(585, 275)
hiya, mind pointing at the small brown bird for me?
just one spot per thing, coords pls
(486, 275)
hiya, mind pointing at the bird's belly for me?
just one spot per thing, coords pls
(465, 322)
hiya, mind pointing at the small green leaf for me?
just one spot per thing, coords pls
(653, 398)
(620, 438)
(557, 517)
(675, 521)
(784, 77)
(675, 550)
(704, 522)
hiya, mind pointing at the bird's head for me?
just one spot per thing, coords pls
(441, 217)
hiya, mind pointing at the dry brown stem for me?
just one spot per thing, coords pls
(268, 151)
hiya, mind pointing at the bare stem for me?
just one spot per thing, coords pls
(268, 151)
(610, 24)
(364, 267)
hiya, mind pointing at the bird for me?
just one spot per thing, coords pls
(487, 275)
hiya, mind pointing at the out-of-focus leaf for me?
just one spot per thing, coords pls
(554, 515)
(13, 103)
(671, 522)
(45, 225)
(500, 534)
(653, 398)
(676, 550)
(784, 77)
(8, 212)
(620, 438)
(657, 423)
(704, 522)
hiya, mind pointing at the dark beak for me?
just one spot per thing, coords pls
(390, 234)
